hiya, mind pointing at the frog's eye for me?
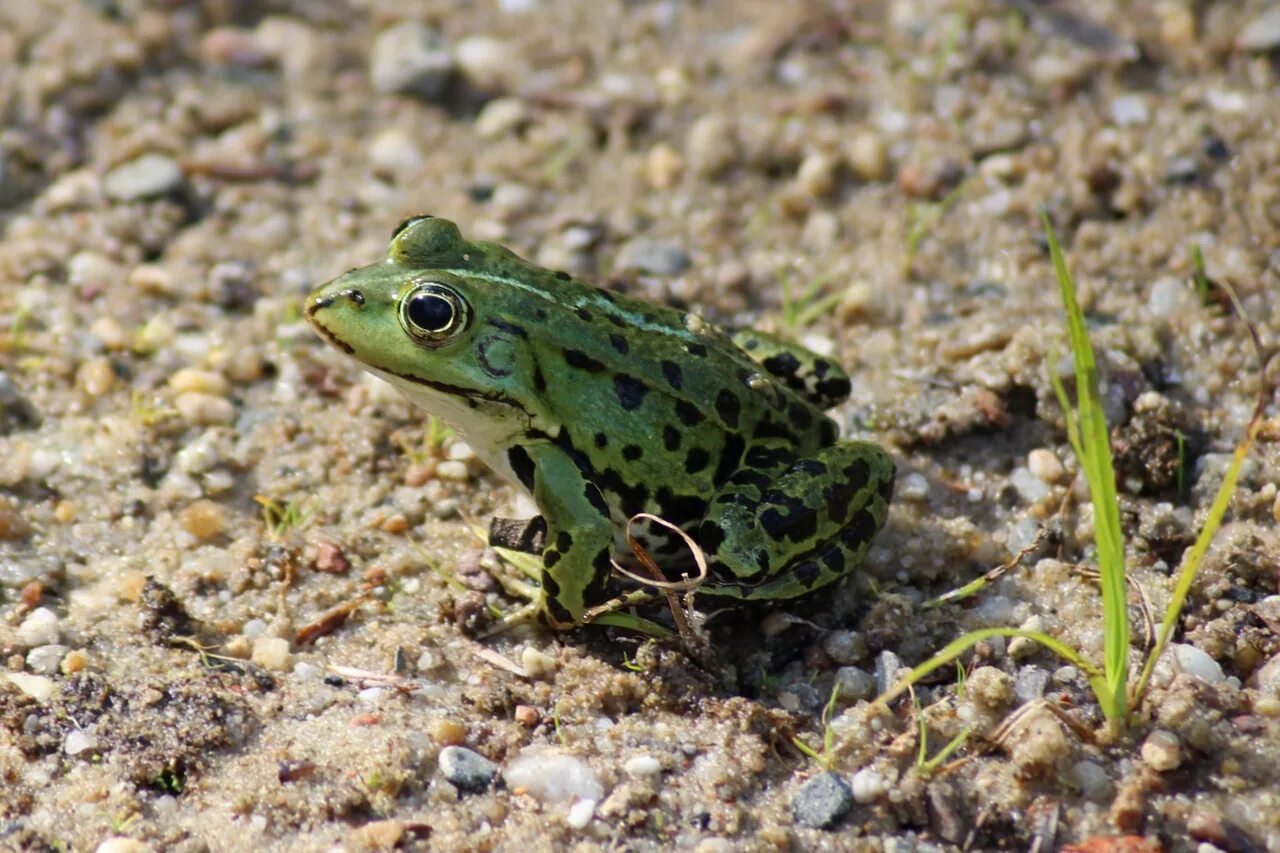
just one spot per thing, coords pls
(432, 313)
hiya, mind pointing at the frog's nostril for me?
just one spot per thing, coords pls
(356, 297)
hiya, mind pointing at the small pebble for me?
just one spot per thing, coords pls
(854, 684)
(378, 835)
(38, 687)
(204, 409)
(1192, 661)
(580, 813)
(1262, 33)
(551, 776)
(1129, 110)
(203, 519)
(46, 660)
(95, 377)
(1030, 683)
(410, 59)
(1170, 296)
(888, 665)
(1092, 780)
(394, 153)
(486, 61)
(40, 628)
(452, 469)
(527, 715)
(1030, 489)
(121, 844)
(147, 176)
(642, 766)
(394, 524)
(200, 381)
(822, 801)
(466, 769)
(13, 527)
(659, 257)
(536, 662)
(868, 156)
(1161, 751)
(78, 741)
(330, 559)
(712, 146)
(868, 785)
(272, 653)
(500, 117)
(817, 175)
(74, 661)
(989, 687)
(447, 732)
(663, 166)
(845, 647)
(1045, 465)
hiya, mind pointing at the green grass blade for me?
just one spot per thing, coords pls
(1094, 448)
(1191, 562)
(960, 645)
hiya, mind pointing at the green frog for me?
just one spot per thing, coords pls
(604, 407)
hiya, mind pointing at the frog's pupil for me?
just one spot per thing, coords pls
(430, 312)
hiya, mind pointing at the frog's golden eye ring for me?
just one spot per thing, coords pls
(432, 313)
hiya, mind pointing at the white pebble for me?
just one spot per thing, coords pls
(46, 660)
(537, 662)
(393, 153)
(1170, 296)
(254, 628)
(144, 177)
(120, 844)
(371, 695)
(1194, 662)
(580, 813)
(78, 741)
(40, 628)
(272, 653)
(1045, 465)
(204, 409)
(37, 687)
(551, 776)
(868, 786)
(1161, 751)
(1029, 487)
(641, 766)
(913, 487)
(500, 116)
(1092, 780)
(1129, 110)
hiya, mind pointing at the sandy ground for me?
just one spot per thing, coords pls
(190, 480)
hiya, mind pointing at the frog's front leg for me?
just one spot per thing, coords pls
(783, 526)
(576, 560)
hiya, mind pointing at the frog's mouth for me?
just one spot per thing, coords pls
(474, 398)
(324, 330)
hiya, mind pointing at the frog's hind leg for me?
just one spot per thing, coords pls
(784, 526)
(819, 380)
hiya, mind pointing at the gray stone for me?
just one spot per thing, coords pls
(659, 257)
(468, 770)
(410, 59)
(822, 801)
(888, 665)
(16, 411)
(855, 684)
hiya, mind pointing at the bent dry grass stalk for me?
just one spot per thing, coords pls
(1088, 434)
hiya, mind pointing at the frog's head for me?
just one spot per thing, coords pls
(426, 321)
